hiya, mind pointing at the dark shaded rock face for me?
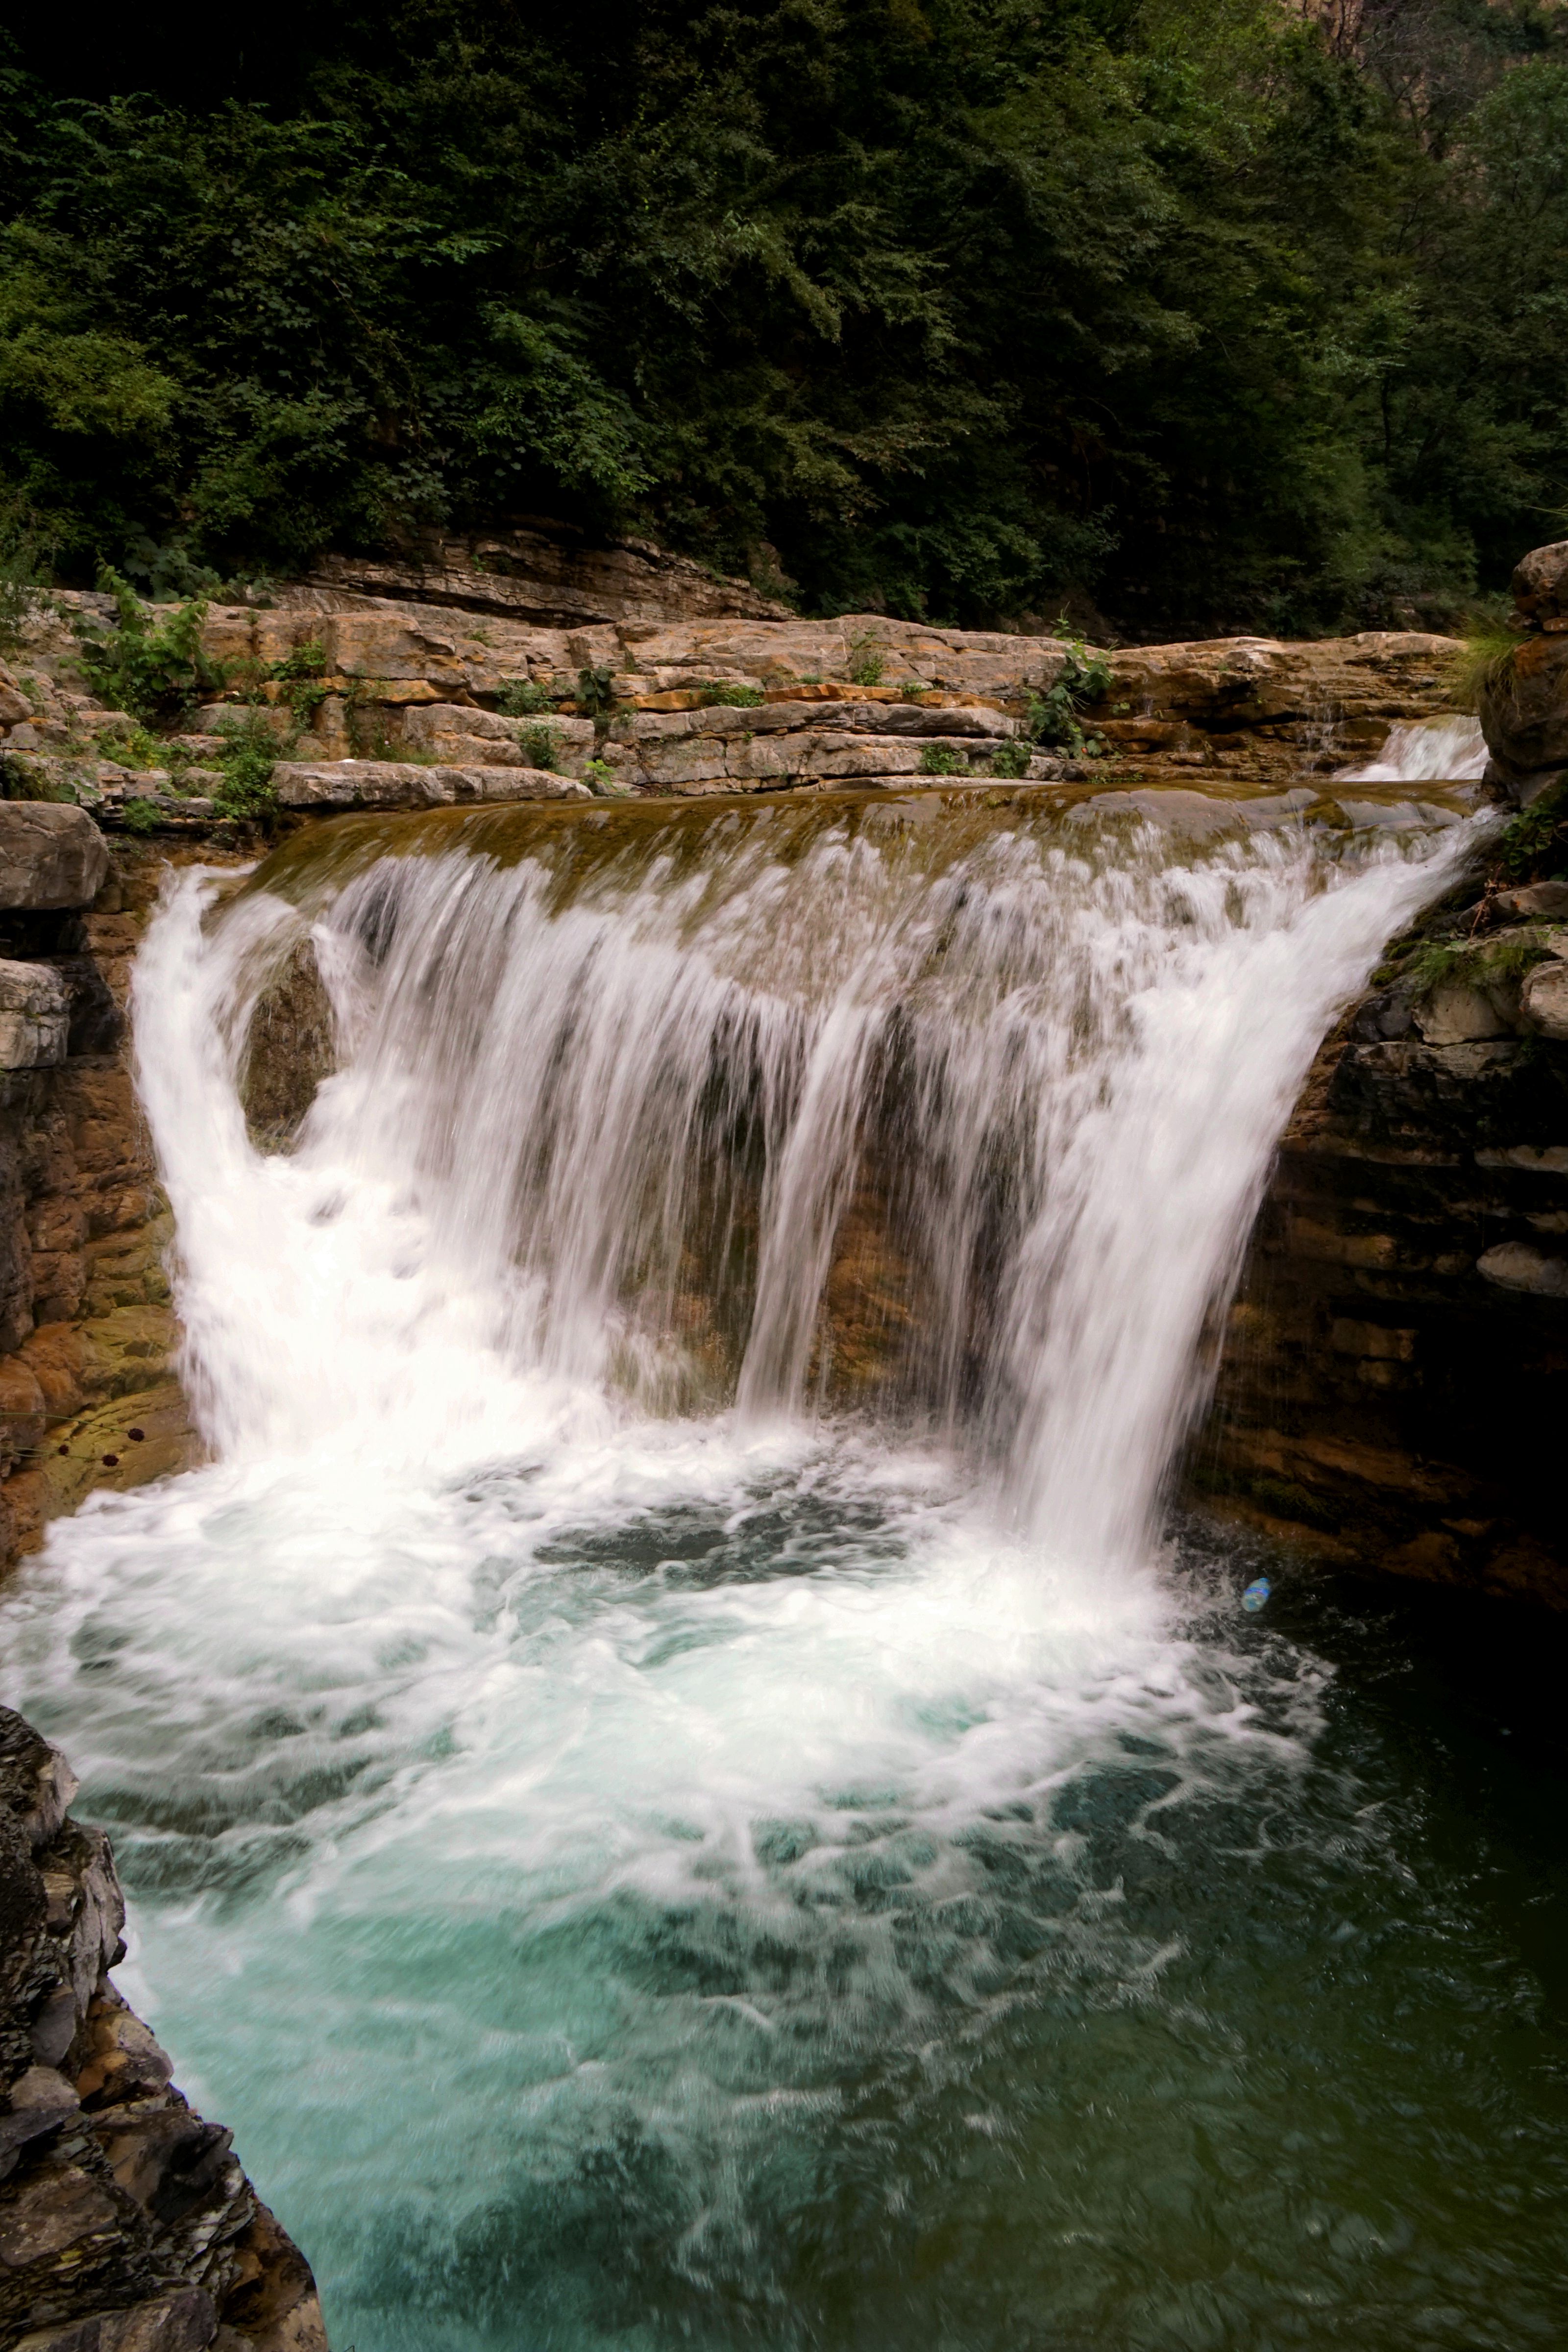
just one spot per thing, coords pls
(126, 2224)
(1394, 1382)
(1524, 694)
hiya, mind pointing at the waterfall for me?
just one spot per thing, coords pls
(602, 1119)
(683, 1563)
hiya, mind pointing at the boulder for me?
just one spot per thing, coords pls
(51, 855)
(34, 1016)
(1540, 584)
(1536, 902)
(290, 1046)
(1455, 1014)
(1545, 999)
(1524, 716)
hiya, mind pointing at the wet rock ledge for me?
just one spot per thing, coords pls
(126, 2224)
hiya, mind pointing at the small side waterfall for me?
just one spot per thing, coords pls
(1425, 751)
(671, 1784)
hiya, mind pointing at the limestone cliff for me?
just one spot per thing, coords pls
(376, 702)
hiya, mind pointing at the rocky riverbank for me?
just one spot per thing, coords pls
(126, 2223)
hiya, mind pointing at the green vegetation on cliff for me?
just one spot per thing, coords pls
(1221, 317)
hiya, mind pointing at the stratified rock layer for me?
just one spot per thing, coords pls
(548, 574)
(379, 702)
(126, 2224)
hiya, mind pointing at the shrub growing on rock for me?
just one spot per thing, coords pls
(153, 667)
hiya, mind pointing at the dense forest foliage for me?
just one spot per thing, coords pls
(1204, 313)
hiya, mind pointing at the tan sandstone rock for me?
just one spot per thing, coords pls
(1524, 713)
(398, 785)
(34, 1016)
(1545, 999)
(50, 856)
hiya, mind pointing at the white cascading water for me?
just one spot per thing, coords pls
(1425, 751)
(543, 1610)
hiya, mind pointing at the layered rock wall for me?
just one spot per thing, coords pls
(87, 1329)
(545, 572)
(1393, 1384)
(126, 2223)
(1394, 1380)
(441, 704)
